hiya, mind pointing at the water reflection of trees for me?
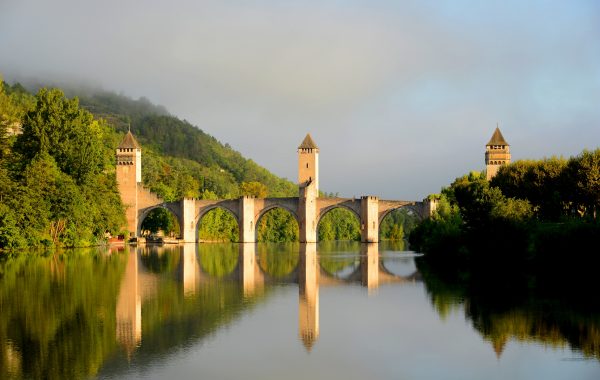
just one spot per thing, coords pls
(517, 310)
(58, 309)
(278, 259)
(339, 257)
(158, 259)
(218, 260)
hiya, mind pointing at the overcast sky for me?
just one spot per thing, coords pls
(400, 96)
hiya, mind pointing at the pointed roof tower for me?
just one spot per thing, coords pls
(497, 138)
(129, 142)
(308, 143)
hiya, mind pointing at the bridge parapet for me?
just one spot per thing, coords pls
(326, 204)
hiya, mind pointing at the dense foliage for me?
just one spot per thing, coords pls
(57, 186)
(555, 187)
(534, 218)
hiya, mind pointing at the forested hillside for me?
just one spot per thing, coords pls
(57, 174)
(217, 167)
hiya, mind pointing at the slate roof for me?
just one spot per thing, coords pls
(497, 138)
(308, 143)
(129, 142)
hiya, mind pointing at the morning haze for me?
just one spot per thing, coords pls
(400, 98)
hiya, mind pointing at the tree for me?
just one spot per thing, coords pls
(254, 189)
(159, 219)
(540, 182)
(70, 135)
(583, 172)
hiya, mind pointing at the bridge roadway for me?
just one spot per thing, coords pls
(307, 209)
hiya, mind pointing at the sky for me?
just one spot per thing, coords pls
(400, 96)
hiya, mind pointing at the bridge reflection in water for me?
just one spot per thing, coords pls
(196, 267)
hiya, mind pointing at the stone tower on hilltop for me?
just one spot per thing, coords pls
(308, 163)
(497, 153)
(129, 175)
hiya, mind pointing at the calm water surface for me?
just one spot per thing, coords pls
(228, 311)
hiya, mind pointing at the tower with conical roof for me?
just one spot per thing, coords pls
(308, 163)
(497, 153)
(129, 174)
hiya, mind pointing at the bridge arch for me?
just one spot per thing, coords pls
(396, 227)
(343, 206)
(271, 207)
(416, 209)
(260, 218)
(223, 205)
(229, 224)
(170, 207)
(353, 229)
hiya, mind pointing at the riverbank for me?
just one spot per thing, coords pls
(550, 257)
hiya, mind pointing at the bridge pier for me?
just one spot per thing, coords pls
(369, 210)
(307, 213)
(247, 222)
(188, 220)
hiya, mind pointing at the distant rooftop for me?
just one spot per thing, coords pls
(308, 143)
(497, 138)
(129, 142)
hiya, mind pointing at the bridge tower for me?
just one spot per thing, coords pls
(308, 182)
(497, 153)
(129, 175)
(308, 163)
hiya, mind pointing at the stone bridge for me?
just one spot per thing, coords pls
(308, 208)
(248, 212)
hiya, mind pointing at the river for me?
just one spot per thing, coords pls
(275, 311)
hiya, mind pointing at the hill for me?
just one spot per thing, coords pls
(179, 160)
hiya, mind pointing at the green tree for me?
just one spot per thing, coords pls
(68, 133)
(277, 225)
(542, 183)
(160, 219)
(255, 189)
(583, 173)
(339, 224)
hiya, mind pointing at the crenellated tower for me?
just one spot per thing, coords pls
(497, 153)
(129, 175)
